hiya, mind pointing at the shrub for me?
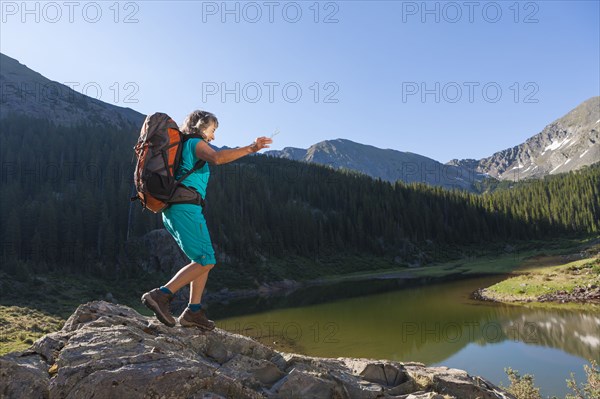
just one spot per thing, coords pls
(521, 387)
(589, 390)
(524, 388)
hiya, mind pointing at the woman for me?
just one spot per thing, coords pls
(186, 223)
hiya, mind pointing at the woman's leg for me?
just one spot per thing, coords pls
(197, 286)
(188, 274)
(194, 315)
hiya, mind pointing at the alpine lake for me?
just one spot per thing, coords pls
(438, 324)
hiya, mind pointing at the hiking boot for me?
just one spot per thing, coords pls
(159, 302)
(196, 319)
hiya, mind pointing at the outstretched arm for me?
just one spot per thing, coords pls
(204, 151)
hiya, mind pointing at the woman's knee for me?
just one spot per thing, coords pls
(206, 267)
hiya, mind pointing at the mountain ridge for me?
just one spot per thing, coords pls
(567, 143)
(27, 92)
(388, 164)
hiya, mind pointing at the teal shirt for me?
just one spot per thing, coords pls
(199, 178)
(185, 222)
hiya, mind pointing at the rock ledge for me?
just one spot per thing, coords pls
(106, 350)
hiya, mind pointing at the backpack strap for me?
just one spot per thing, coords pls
(199, 164)
(186, 137)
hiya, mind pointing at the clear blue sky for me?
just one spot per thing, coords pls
(368, 60)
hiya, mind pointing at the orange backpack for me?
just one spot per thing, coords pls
(158, 152)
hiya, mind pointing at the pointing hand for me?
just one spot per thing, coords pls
(260, 143)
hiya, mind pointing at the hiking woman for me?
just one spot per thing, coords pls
(186, 223)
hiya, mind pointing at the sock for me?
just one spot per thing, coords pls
(194, 307)
(166, 290)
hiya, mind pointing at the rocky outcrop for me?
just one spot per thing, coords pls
(567, 144)
(156, 251)
(587, 294)
(106, 350)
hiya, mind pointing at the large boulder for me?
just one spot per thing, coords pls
(156, 251)
(107, 350)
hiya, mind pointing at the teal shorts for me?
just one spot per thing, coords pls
(186, 223)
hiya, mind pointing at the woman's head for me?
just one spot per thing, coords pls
(201, 122)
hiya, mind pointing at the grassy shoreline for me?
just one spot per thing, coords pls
(577, 281)
(532, 254)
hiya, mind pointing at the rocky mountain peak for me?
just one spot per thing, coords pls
(566, 144)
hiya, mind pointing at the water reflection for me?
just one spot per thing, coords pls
(574, 332)
(402, 320)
